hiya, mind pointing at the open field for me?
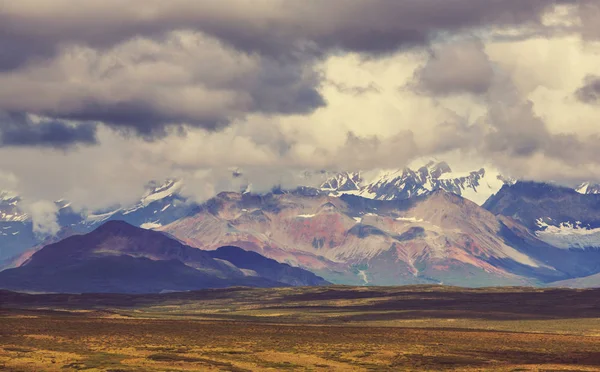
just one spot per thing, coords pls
(316, 329)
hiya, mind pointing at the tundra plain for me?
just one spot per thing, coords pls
(304, 329)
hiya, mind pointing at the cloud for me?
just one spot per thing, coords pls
(360, 153)
(17, 129)
(517, 139)
(8, 182)
(590, 91)
(148, 67)
(355, 90)
(113, 172)
(462, 67)
(515, 130)
(589, 13)
(44, 216)
(275, 88)
(145, 86)
(264, 26)
(521, 118)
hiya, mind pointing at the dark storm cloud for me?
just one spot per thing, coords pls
(589, 12)
(146, 86)
(16, 51)
(267, 27)
(277, 90)
(590, 91)
(139, 117)
(16, 129)
(144, 66)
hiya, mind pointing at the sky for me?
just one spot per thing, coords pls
(99, 97)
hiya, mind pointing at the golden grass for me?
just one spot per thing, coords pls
(304, 329)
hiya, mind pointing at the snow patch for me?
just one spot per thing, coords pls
(489, 184)
(409, 219)
(583, 188)
(363, 276)
(453, 175)
(568, 235)
(249, 272)
(520, 257)
(165, 192)
(150, 225)
(100, 217)
(9, 217)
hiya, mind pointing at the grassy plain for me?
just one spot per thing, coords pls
(304, 329)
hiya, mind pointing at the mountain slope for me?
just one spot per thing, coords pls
(560, 216)
(433, 238)
(118, 257)
(160, 205)
(255, 264)
(591, 281)
(17, 229)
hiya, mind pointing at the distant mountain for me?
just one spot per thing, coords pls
(355, 228)
(160, 205)
(476, 185)
(344, 181)
(16, 227)
(560, 216)
(118, 257)
(592, 281)
(438, 237)
(588, 188)
(9, 209)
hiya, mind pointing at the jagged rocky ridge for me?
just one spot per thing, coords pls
(476, 185)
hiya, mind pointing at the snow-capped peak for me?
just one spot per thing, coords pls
(389, 184)
(345, 181)
(588, 188)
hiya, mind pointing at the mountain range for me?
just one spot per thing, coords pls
(119, 257)
(477, 185)
(438, 237)
(163, 203)
(428, 225)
